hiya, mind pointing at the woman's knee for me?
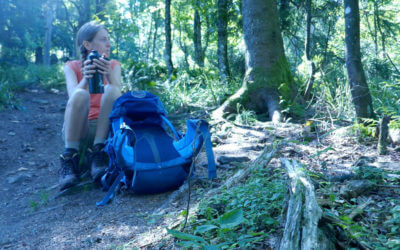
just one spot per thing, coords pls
(79, 99)
(112, 91)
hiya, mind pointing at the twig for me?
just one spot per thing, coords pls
(263, 159)
(359, 209)
(387, 55)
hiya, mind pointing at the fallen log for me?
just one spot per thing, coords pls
(303, 212)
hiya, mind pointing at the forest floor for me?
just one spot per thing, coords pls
(32, 216)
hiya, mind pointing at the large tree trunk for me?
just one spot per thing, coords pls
(198, 49)
(47, 37)
(359, 88)
(309, 62)
(222, 23)
(266, 66)
(168, 43)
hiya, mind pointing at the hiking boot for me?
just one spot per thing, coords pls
(69, 166)
(99, 161)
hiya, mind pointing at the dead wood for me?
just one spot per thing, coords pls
(359, 209)
(262, 160)
(303, 213)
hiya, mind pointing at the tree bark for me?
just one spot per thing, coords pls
(47, 37)
(303, 213)
(198, 49)
(183, 47)
(100, 9)
(223, 64)
(309, 62)
(168, 43)
(359, 88)
(266, 66)
(38, 55)
(155, 35)
(84, 12)
(383, 135)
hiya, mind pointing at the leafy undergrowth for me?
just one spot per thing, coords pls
(371, 218)
(252, 214)
(241, 217)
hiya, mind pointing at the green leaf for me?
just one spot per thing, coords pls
(188, 244)
(185, 236)
(231, 219)
(211, 248)
(204, 228)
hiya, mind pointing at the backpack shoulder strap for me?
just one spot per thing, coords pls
(169, 124)
(212, 169)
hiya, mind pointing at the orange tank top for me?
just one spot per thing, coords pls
(95, 99)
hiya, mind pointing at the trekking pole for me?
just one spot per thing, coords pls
(192, 165)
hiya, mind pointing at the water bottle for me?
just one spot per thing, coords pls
(96, 83)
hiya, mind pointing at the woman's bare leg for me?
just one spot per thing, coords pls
(99, 160)
(75, 127)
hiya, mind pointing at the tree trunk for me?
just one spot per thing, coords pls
(183, 47)
(168, 43)
(309, 62)
(222, 23)
(378, 24)
(100, 9)
(198, 49)
(149, 39)
(47, 37)
(84, 12)
(266, 66)
(359, 88)
(155, 35)
(38, 55)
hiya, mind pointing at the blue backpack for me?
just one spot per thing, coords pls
(143, 155)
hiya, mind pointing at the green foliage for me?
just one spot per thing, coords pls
(371, 173)
(185, 91)
(17, 78)
(243, 116)
(241, 216)
(366, 130)
(394, 122)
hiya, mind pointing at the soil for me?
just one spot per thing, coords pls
(32, 215)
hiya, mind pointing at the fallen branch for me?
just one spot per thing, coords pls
(263, 159)
(359, 209)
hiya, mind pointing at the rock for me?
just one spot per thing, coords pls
(55, 91)
(18, 178)
(394, 135)
(42, 165)
(357, 187)
(40, 101)
(223, 159)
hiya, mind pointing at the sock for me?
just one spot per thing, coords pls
(70, 151)
(98, 140)
(72, 145)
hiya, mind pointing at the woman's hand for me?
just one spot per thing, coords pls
(88, 69)
(103, 66)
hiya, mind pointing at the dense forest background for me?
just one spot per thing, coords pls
(329, 69)
(37, 36)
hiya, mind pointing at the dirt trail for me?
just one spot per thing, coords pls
(30, 143)
(31, 217)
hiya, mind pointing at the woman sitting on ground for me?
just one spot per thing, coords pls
(86, 115)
